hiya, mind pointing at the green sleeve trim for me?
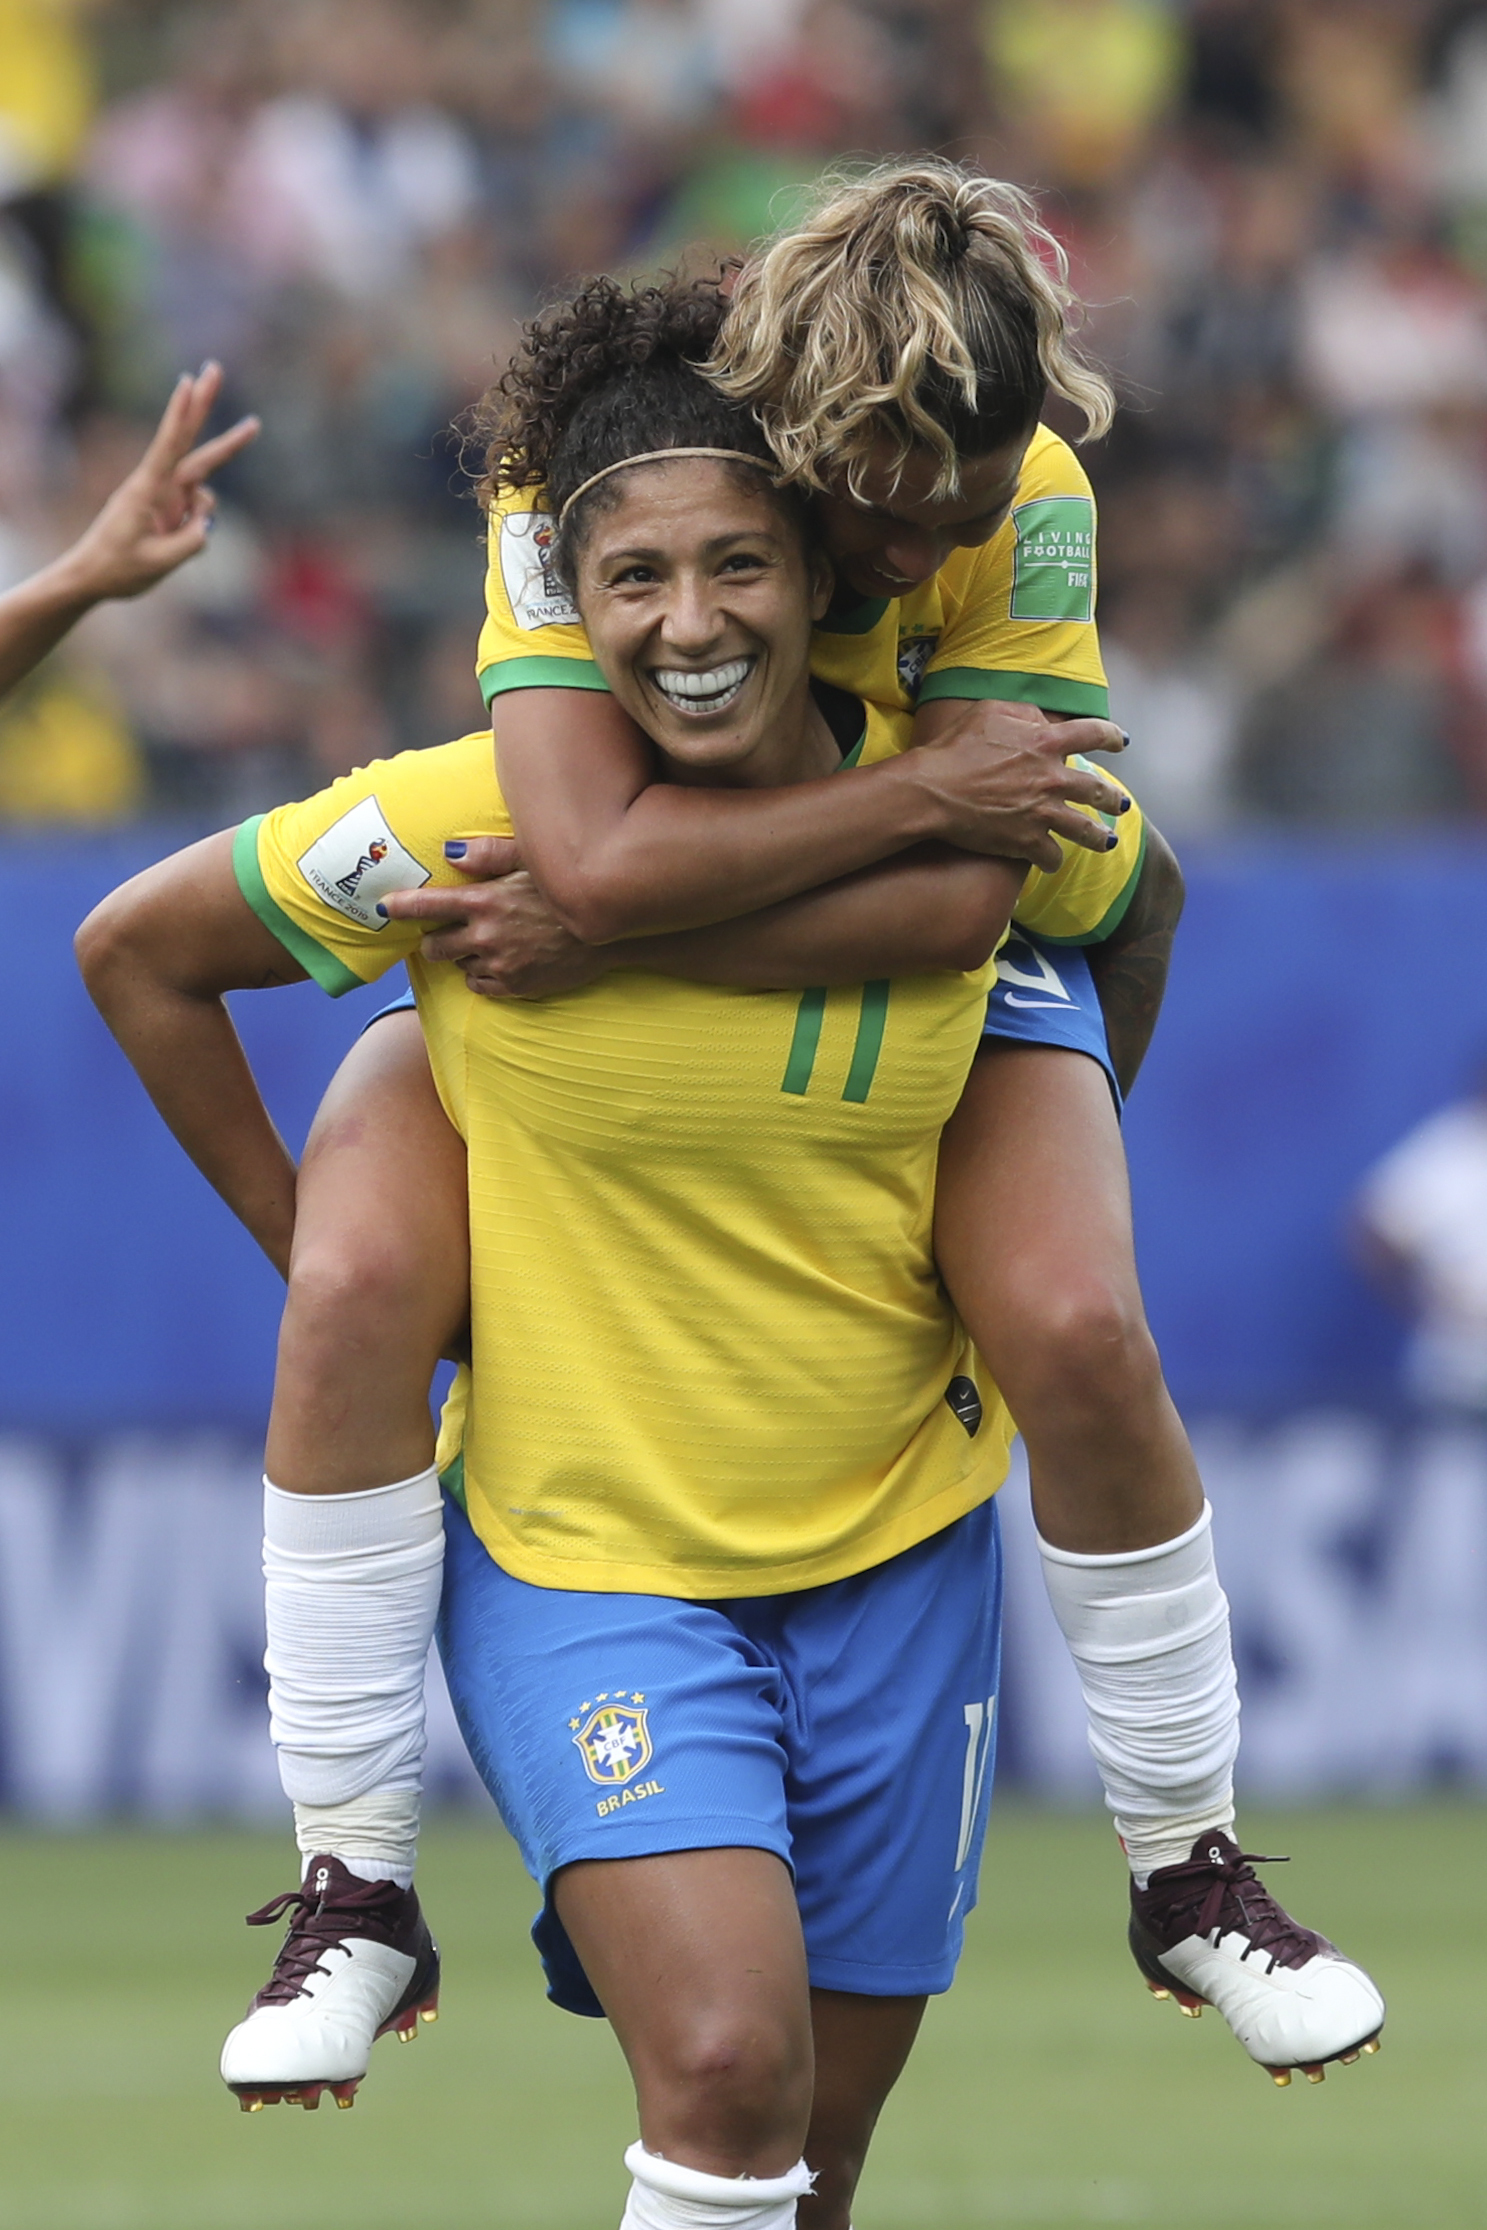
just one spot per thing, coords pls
(331, 974)
(1114, 914)
(540, 673)
(1080, 700)
(452, 1480)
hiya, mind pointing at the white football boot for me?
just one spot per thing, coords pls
(358, 1960)
(1208, 1932)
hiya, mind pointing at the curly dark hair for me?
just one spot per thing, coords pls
(607, 375)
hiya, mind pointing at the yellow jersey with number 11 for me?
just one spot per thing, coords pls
(712, 1355)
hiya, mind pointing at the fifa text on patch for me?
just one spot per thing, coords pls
(1053, 573)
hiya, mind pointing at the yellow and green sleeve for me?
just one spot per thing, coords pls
(1020, 611)
(533, 637)
(313, 871)
(1084, 900)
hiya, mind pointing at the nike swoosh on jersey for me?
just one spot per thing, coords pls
(1011, 999)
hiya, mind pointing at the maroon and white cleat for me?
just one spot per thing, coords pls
(358, 1961)
(1208, 1932)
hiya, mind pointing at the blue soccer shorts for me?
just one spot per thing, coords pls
(1045, 995)
(850, 1729)
(405, 1003)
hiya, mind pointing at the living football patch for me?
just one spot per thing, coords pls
(1053, 572)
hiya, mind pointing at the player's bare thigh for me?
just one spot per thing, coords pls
(1033, 1238)
(379, 1276)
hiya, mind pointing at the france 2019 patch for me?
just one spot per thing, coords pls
(538, 597)
(1053, 573)
(357, 861)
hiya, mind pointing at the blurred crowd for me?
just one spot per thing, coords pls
(1276, 208)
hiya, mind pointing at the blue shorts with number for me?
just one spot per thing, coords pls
(1043, 995)
(849, 1728)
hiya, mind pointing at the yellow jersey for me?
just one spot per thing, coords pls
(712, 1355)
(1013, 619)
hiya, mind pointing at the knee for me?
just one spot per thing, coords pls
(738, 2090)
(359, 1288)
(1083, 1348)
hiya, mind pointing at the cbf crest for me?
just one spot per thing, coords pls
(613, 1739)
(914, 655)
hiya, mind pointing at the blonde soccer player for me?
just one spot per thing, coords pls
(899, 347)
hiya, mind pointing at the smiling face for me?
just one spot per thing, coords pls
(901, 536)
(699, 596)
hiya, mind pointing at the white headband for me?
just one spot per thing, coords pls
(659, 456)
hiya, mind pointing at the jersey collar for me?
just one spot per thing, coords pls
(848, 614)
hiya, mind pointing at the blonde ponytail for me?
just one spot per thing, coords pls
(918, 301)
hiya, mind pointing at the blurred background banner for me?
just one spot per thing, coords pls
(1278, 210)
(131, 1624)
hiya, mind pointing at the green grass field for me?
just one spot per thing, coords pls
(1048, 2089)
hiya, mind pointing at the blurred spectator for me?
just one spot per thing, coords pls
(66, 754)
(1350, 73)
(1083, 82)
(1392, 326)
(1178, 707)
(1422, 1225)
(1230, 89)
(1458, 116)
(654, 65)
(347, 176)
(169, 160)
(46, 95)
(1360, 734)
(46, 105)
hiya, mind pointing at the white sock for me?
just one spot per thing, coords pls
(666, 2196)
(1149, 1634)
(351, 1594)
(374, 1836)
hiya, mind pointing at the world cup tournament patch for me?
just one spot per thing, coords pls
(357, 861)
(1053, 573)
(538, 597)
